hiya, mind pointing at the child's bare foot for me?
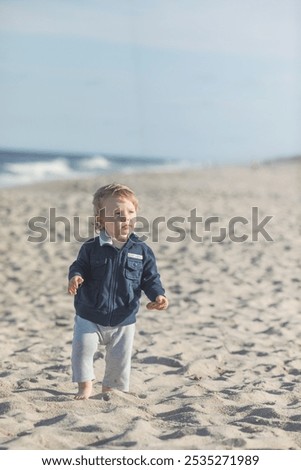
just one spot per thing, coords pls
(84, 390)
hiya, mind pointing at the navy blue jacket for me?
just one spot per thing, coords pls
(113, 280)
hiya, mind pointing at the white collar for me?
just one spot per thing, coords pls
(104, 238)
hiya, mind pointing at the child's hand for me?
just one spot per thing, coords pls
(161, 303)
(74, 283)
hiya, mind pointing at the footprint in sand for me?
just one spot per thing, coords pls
(164, 361)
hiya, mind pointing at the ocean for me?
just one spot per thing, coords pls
(24, 167)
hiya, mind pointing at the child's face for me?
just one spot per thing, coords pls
(119, 217)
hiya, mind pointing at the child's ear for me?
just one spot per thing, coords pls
(97, 223)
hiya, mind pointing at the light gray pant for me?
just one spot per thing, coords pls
(118, 342)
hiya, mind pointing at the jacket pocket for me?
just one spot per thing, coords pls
(133, 269)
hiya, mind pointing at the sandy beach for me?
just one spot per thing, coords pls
(220, 369)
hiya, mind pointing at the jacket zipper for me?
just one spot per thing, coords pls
(113, 287)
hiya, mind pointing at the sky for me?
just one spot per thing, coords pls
(210, 80)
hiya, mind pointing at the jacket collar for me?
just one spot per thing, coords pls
(105, 239)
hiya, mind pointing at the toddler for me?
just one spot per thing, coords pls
(106, 279)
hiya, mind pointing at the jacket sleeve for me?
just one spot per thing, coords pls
(80, 267)
(151, 283)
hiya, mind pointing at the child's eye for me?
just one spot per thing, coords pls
(119, 216)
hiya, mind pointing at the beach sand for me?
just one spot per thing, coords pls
(220, 369)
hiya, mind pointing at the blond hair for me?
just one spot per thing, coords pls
(103, 193)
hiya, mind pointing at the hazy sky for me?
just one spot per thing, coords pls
(216, 80)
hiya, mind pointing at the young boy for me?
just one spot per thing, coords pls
(106, 279)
